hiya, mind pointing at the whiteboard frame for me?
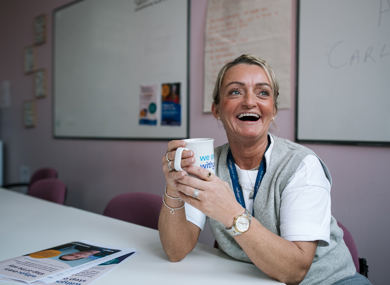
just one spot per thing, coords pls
(297, 114)
(185, 92)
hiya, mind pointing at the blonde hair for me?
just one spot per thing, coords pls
(247, 59)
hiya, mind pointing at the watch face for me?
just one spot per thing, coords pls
(242, 224)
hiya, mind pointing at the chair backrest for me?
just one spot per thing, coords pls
(138, 208)
(50, 189)
(43, 173)
(351, 246)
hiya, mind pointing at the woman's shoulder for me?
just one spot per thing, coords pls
(221, 147)
(281, 143)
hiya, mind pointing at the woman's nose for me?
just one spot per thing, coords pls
(249, 100)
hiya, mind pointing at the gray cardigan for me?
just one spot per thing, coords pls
(331, 262)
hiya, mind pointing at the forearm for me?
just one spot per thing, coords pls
(281, 259)
(178, 236)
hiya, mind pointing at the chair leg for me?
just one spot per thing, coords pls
(363, 267)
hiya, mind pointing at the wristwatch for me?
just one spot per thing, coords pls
(241, 224)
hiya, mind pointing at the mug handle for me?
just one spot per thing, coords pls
(177, 164)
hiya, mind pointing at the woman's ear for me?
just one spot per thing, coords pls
(215, 111)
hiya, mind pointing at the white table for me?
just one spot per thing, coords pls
(29, 224)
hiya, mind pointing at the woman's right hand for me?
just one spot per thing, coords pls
(178, 236)
(171, 175)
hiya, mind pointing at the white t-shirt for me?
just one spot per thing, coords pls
(305, 202)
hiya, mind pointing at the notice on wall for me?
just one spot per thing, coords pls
(148, 105)
(171, 104)
(258, 27)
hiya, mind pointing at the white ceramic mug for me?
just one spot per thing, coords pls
(203, 152)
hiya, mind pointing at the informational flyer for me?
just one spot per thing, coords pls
(84, 277)
(170, 104)
(56, 263)
(148, 105)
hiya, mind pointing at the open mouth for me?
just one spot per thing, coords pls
(248, 117)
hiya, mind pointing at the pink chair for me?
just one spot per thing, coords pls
(360, 263)
(41, 173)
(138, 208)
(50, 189)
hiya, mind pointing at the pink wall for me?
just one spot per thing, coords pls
(95, 171)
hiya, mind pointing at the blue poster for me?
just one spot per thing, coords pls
(170, 104)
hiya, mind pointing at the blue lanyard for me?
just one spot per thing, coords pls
(233, 175)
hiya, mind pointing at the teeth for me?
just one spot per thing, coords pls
(248, 115)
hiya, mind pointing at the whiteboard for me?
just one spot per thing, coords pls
(115, 62)
(343, 84)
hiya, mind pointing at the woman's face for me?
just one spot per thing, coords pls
(246, 105)
(79, 255)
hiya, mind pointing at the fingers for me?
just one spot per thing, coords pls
(187, 184)
(169, 157)
(192, 196)
(194, 190)
(188, 190)
(172, 145)
(201, 173)
(208, 176)
(168, 164)
(173, 176)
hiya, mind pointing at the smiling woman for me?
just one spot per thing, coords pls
(246, 107)
(269, 200)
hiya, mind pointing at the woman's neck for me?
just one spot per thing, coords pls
(248, 155)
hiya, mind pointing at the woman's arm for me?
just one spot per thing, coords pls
(178, 236)
(283, 260)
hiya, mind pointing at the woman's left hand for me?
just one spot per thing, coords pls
(213, 197)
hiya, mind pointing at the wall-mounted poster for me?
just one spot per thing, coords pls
(40, 29)
(232, 29)
(29, 59)
(171, 104)
(40, 83)
(29, 113)
(148, 105)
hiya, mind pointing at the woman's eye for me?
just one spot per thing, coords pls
(234, 92)
(264, 93)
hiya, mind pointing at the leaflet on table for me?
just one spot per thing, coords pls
(59, 262)
(61, 275)
(84, 277)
